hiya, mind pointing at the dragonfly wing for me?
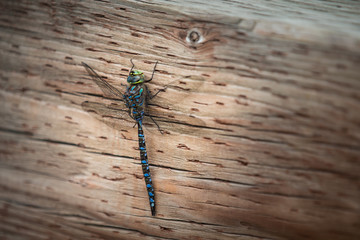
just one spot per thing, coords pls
(112, 115)
(173, 121)
(176, 97)
(108, 90)
(166, 108)
(174, 92)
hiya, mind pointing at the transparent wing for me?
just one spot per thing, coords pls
(113, 115)
(176, 94)
(108, 90)
(117, 117)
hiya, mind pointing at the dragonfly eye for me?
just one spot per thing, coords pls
(136, 73)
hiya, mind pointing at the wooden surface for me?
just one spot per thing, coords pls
(275, 89)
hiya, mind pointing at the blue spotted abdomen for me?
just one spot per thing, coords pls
(145, 168)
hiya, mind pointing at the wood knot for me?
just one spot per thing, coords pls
(194, 36)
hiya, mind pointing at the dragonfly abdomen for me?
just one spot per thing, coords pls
(145, 167)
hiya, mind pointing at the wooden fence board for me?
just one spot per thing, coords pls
(268, 100)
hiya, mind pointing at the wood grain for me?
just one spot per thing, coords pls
(275, 89)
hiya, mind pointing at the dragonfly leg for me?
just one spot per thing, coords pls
(152, 72)
(160, 130)
(161, 90)
(150, 96)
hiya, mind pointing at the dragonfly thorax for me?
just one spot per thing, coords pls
(135, 97)
(135, 77)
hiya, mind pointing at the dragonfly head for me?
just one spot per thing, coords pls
(135, 77)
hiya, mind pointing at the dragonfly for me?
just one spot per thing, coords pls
(133, 110)
(136, 98)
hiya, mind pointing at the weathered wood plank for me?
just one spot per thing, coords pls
(274, 87)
